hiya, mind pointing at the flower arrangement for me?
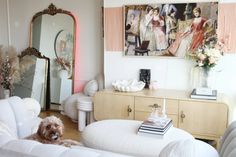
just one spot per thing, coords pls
(63, 63)
(207, 57)
(9, 67)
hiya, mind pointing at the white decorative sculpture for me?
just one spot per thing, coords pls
(128, 85)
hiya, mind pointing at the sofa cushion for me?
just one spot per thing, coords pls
(32, 107)
(79, 153)
(188, 148)
(10, 153)
(7, 116)
(4, 138)
(48, 150)
(230, 147)
(22, 118)
(23, 146)
(6, 130)
(229, 134)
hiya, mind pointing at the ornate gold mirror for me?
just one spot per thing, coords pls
(53, 33)
(35, 82)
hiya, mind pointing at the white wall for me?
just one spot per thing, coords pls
(89, 20)
(3, 23)
(170, 73)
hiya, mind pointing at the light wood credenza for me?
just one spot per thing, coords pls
(204, 119)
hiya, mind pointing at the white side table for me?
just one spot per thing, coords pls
(85, 107)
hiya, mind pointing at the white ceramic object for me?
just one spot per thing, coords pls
(63, 74)
(6, 93)
(128, 85)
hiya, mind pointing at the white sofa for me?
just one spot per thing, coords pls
(18, 119)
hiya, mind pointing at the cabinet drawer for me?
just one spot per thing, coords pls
(138, 115)
(142, 104)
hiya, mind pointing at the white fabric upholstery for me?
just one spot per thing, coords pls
(120, 136)
(81, 152)
(10, 153)
(70, 105)
(232, 153)
(33, 107)
(16, 118)
(22, 118)
(5, 138)
(20, 145)
(188, 148)
(91, 88)
(7, 116)
(231, 146)
(228, 136)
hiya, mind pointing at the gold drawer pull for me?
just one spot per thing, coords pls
(129, 110)
(182, 116)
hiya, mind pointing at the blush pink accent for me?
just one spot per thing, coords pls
(76, 83)
(113, 29)
(226, 26)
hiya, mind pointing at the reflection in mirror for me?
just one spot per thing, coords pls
(34, 82)
(54, 36)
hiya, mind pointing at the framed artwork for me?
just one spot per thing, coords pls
(175, 30)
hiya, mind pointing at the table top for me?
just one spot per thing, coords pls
(168, 94)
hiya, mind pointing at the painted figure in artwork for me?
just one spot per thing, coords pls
(166, 12)
(197, 28)
(132, 24)
(191, 38)
(171, 24)
(146, 32)
(158, 29)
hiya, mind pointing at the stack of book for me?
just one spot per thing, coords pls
(204, 93)
(157, 128)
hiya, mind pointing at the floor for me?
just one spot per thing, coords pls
(71, 131)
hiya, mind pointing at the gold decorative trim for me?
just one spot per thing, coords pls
(51, 10)
(32, 51)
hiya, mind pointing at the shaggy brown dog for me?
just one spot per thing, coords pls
(50, 131)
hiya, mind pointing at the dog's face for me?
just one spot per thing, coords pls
(51, 128)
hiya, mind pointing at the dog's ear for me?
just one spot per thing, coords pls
(40, 129)
(62, 127)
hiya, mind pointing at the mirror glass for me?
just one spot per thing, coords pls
(34, 68)
(53, 36)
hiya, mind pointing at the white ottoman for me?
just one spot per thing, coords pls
(69, 106)
(121, 136)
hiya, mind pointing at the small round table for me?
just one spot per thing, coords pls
(121, 136)
(84, 106)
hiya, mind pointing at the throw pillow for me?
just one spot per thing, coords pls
(91, 88)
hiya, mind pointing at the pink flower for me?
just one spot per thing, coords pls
(212, 60)
(201, 56)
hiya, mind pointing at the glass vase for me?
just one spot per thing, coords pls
(6, 93)
(202, 77)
